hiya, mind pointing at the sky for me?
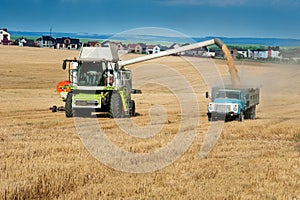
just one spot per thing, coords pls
(194, 18)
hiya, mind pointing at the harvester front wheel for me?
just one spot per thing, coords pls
(116, 107)
(68, 106)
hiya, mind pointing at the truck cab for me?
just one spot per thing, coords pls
(232, 103)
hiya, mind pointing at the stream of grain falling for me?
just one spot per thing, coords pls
(235, 79)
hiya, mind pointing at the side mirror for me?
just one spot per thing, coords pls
(206, 95)
(64, 65)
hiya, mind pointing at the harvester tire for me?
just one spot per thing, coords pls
(68, 106)
(132, 108)
(116, 107)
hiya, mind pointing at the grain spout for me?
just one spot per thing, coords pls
(235, 79)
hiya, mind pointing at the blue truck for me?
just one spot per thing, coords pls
(230, 103)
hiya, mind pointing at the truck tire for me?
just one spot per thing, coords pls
(116, 106)
(241, 117)
(250, 113)
(68, 106)
(253, 113)
(247, 114)
(209, 117)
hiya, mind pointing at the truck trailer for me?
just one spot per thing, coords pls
(231, 103)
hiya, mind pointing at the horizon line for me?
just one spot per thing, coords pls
(107, 34)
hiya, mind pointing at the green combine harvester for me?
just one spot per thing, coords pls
(98, 84)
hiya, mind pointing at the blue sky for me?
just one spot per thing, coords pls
(223, 18)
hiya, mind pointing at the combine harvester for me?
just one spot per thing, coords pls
(99, 82)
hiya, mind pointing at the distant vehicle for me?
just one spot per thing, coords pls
(230, 103)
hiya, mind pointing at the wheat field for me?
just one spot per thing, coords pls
(43, 157)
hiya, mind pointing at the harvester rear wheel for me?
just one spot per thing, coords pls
(68, 106)
(116, 107)
(132, 108)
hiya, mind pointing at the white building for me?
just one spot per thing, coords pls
(152, 49)
(4, 36)
(260, 54)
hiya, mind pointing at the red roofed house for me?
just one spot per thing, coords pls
(94, 44)
(119, 45)
(136, 48)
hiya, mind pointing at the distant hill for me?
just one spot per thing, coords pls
(150, 38)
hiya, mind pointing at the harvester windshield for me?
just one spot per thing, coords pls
(92, 73)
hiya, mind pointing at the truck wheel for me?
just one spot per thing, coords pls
(253, 116)
(212, 117)
(253, 113)
(247, 114)
(116, 107)
(68, 105)
(241, 117)
(132, 108)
